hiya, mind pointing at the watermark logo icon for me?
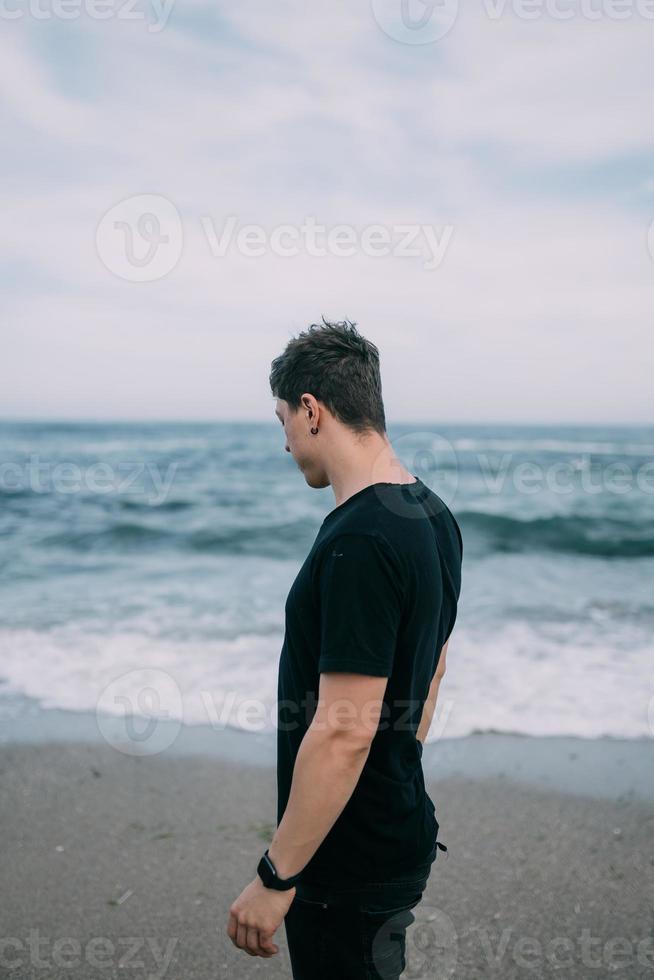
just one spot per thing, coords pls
(415, 21)
(140, 712)
(140, 239)
(432, 944)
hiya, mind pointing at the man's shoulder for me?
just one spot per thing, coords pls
(359, 538)
(396, 523)
(363, 543)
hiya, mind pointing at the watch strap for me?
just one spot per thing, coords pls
(268, 874)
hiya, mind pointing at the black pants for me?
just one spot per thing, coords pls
(354, 932)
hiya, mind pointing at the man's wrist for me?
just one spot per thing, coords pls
(271, 876)
(282, 866)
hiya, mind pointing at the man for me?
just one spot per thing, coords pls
(368, 619)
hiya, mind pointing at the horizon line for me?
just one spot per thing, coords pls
(135, 420)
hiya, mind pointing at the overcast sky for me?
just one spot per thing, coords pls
(510, 157)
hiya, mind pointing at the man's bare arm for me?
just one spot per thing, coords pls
(328, 765)
(430, 703)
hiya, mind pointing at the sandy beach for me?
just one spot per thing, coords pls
(119, 866)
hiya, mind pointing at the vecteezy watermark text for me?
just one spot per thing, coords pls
(341, 241)
(593, 952)
(156, 12)
(592, 10)
(141, 712)
(581, 474)
(425, 21)
(141, 239)
(100, 952)
(68, 477)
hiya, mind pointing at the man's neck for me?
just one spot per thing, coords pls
(376, 463)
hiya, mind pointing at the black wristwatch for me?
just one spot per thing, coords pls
(268, 874)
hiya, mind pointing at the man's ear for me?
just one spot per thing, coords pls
(312, 408)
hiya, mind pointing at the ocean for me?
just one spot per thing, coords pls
(144, 568)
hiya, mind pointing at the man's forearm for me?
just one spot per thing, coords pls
(327, 769)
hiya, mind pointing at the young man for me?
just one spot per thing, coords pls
(368, 619)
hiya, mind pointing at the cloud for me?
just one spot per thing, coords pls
(272, 114)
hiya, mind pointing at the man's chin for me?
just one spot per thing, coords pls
(315, 482)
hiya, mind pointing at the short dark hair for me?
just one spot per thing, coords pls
(339, 367)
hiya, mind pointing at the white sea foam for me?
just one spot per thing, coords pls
(518, 679)
(212, 682)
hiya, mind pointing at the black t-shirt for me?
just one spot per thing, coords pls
(377, 595)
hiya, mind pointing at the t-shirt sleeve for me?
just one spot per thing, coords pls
(360, 594)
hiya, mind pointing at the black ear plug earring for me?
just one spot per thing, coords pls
(314, 430)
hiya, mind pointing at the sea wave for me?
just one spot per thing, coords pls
(282, 540)
(603, 536)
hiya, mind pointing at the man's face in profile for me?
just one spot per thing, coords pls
(301, 444)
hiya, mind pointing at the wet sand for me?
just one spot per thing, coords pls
(119, 866)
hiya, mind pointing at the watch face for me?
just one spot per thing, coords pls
(267, 872)
(269, 876)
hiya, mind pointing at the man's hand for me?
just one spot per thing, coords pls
(255, 916)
